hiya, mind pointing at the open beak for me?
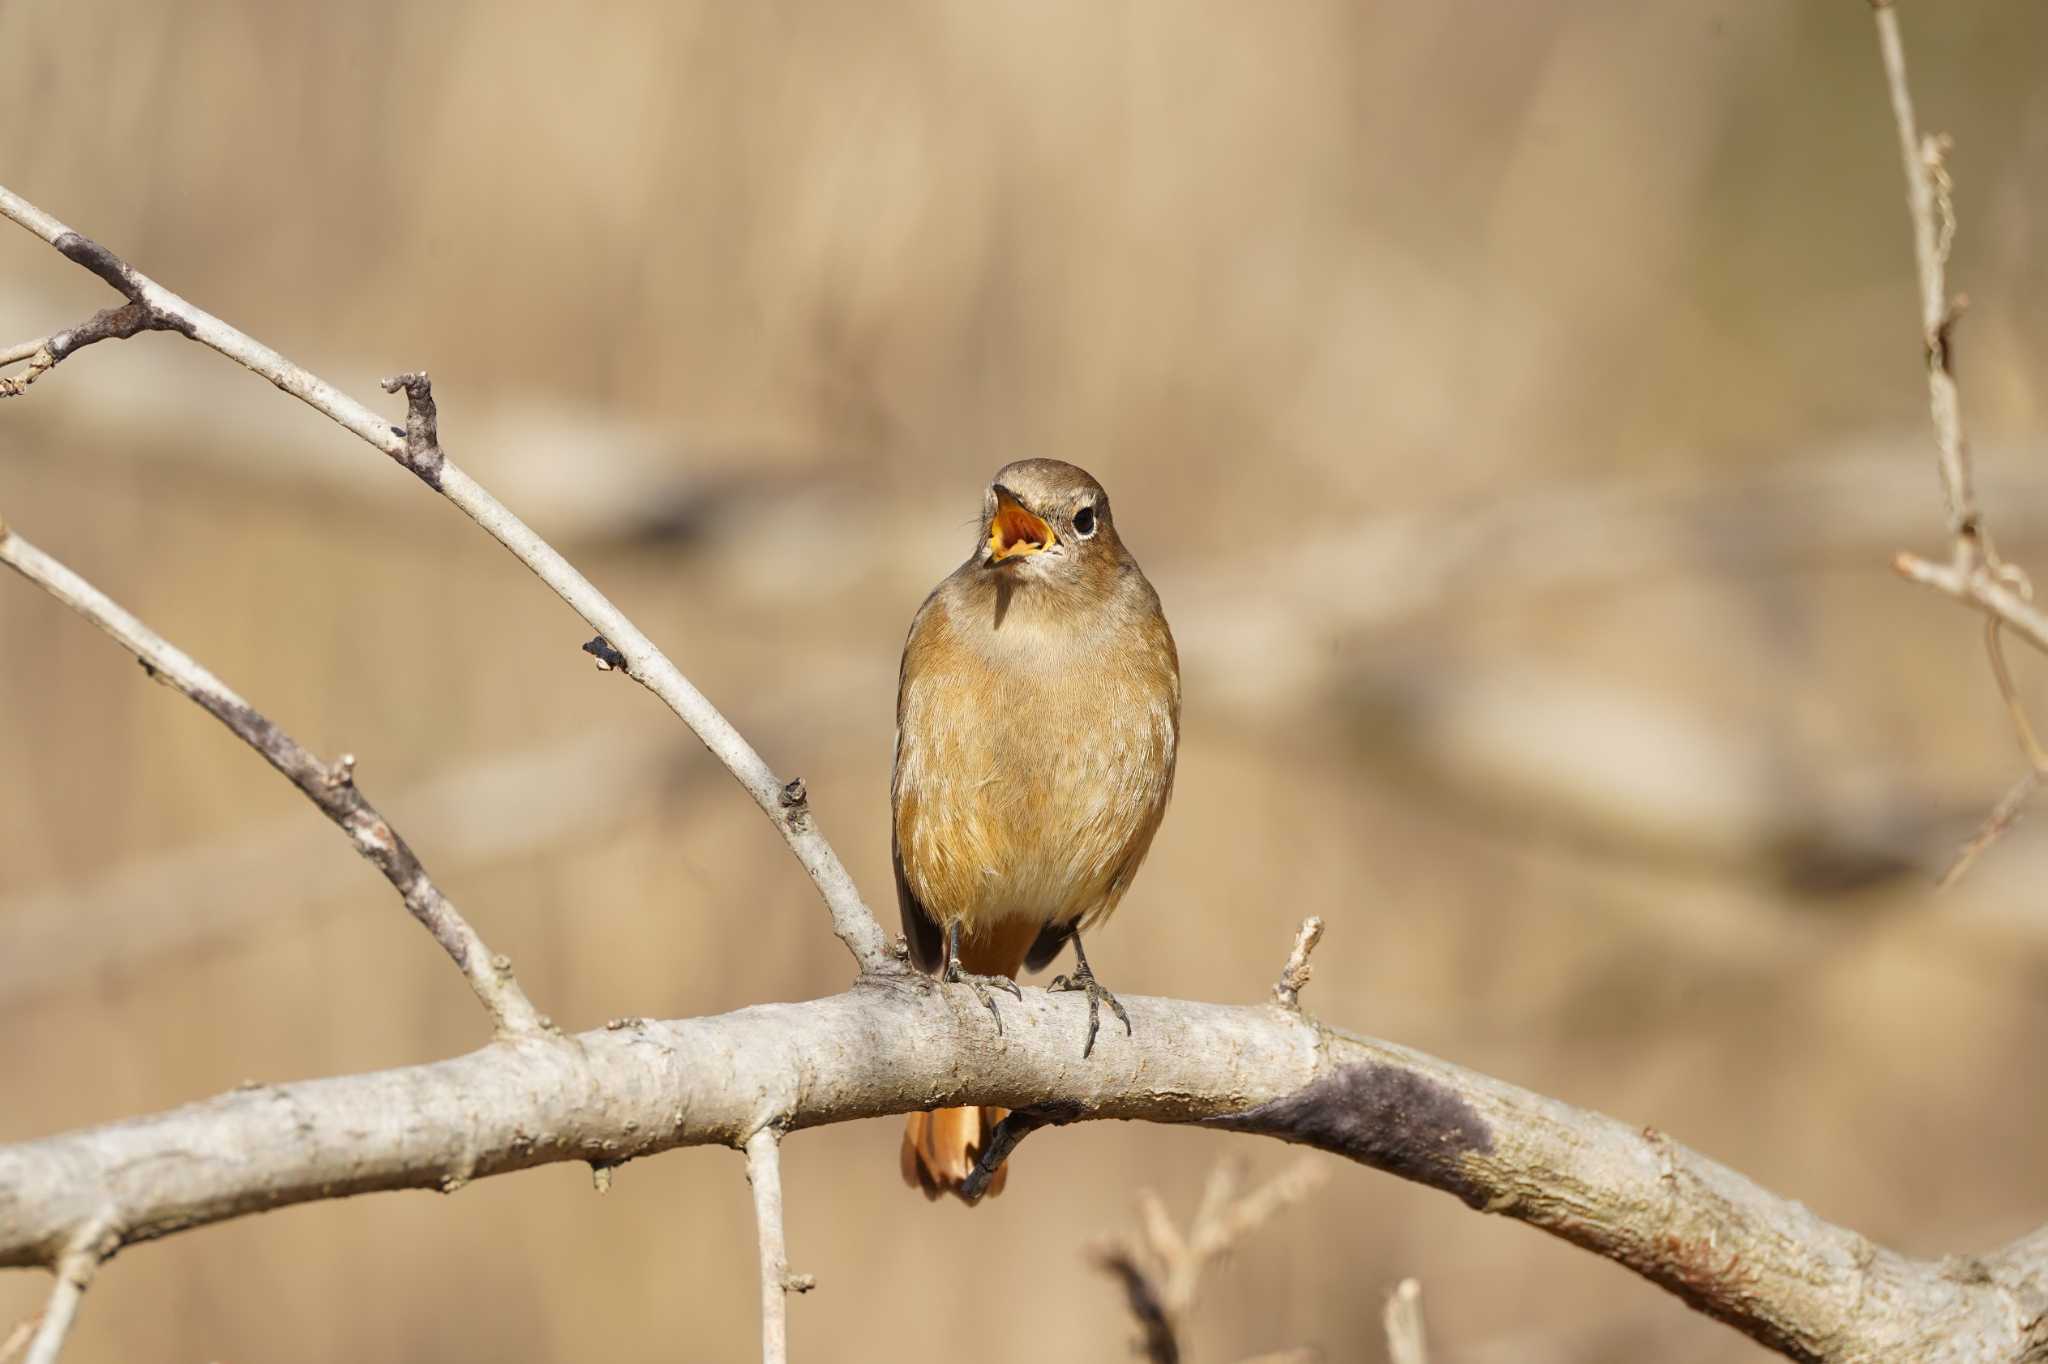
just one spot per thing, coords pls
(1014, 533)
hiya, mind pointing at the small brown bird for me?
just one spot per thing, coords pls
(1037, 716)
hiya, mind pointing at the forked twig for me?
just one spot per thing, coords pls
(1161, 1269)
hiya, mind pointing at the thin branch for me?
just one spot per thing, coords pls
(1295, 974)
(19, 1337)
(14, 355)
(132, 915)
(331, 787)
(1922, 159)
(764, 1172)
(1974, 574)
(109, 324)
(1406, 1341)
(852, 921)
(75, 1270)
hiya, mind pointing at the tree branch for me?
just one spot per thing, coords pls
(1160, 1269)
(1974, 574)
(897, 1043)
(1407, 1342)
(852, 921)
(1762, 1263)
(331, 787)
(75, 1270)
(1922, 161)
(764, 1173)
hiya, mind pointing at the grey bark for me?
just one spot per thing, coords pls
(894, 1043)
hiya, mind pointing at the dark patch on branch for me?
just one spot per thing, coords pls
(796, 804)
(80, 249)
(608, 658)
(109, 324)
(1383, 1116)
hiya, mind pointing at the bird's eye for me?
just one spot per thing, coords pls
(1084, 522)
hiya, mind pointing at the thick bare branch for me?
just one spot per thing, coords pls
(331, 787)
(1762, 1263)
(851, 919)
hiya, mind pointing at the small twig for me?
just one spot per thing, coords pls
(764, 1172)
(1930, 252)
(14, 355)
(74, 1272)
(2003, 816)
(19, 1337)
(40, 363)
(1406, 1342)
(422, 426)
(1162, 1268)
(330, 787)
(109, 324)
(1296, 973)
(852, 920)
(1982, 590)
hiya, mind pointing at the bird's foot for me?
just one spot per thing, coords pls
(954, 975)
(1084, 981)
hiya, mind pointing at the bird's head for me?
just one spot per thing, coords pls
(1049, 521)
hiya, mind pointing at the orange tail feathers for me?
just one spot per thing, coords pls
(940, 1148)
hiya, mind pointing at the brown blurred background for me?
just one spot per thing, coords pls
(1516, 407)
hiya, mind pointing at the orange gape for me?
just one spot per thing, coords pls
(1037, 720)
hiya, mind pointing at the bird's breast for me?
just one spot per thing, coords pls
(1030, 773)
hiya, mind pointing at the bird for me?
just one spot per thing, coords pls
(1037, 725)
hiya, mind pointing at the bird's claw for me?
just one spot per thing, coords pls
(1084, 981)
(954, 975)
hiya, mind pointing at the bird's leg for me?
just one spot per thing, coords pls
(953, 974)
(1084, 980)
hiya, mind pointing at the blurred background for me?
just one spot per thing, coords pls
(1517, 408)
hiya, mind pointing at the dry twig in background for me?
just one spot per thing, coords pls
(1406, 1342)
(1974, 573)
(1160, 1269)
